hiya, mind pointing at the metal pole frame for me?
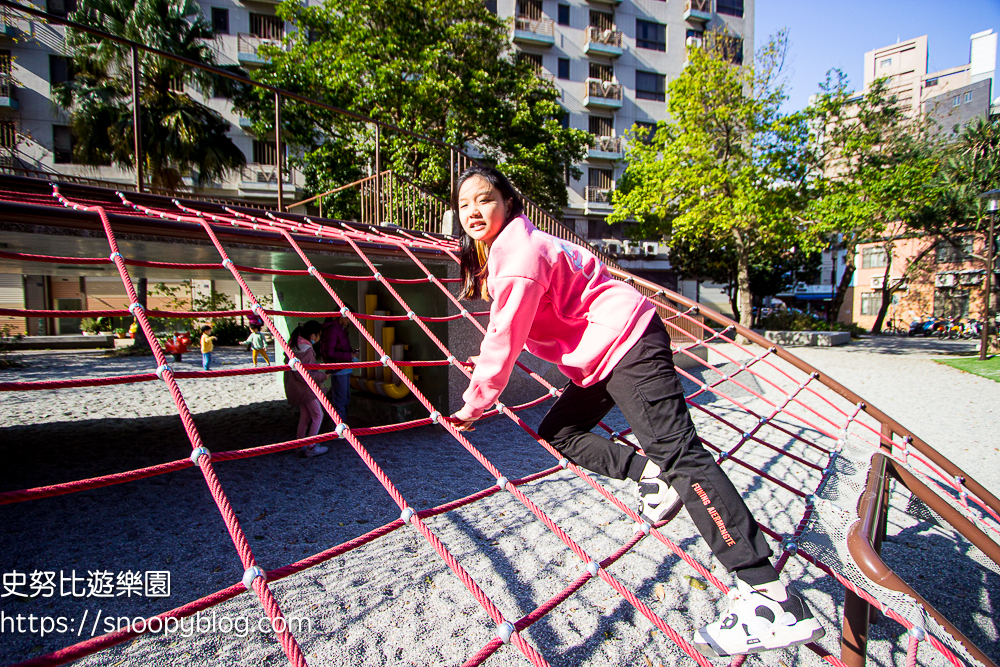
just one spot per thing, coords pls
(984, 343)
(136, 119)
(277, 148)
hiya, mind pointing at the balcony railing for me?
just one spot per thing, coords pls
(608, 145)
(604, 92)
(608, 36)
(596, 195)
(536, 31)
(248, 45)
(606, 42)
(698, 10)
(8, 92)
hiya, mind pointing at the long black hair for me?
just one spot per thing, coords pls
(472, 258)
(304, 330)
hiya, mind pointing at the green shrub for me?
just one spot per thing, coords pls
(787, 320)
(228, 331)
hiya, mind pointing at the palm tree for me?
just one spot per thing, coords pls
(180, 136)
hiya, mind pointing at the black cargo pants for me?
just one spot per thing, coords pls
(645, 387)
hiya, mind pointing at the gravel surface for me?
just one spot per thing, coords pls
(394, 601)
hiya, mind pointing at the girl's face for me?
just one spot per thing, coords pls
(314, 338)
(481, 210)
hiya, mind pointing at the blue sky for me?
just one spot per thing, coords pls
(828, 34)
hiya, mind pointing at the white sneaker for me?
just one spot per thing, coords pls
(755, 622)
(655, 499)
(314, 450)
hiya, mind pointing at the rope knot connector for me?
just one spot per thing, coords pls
(377, 276)
(451, 359)
(464, 313)
(115, 254)
(790, 546)
(502, 482)
(504, 631)
(255, 308)
(412, 315)
(407, 514)
(341, 427)
(311, 270)
(251, 574)
(132, 307)
(643, 528)
(161, 369)
(197, 453)
(500, 406)
(563, 463)
(553, 391)
(227, 262)
(344, 310)
(593, 567)
(293, 362)
(435, 416)
(384, 359)
(918, 633)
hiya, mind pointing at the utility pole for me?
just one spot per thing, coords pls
(993, 196)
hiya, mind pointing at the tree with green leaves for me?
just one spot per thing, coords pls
(445, 70)
(876, 176)
(727, 175)
(180, 136)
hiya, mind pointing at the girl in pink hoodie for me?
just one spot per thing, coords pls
(559, 302)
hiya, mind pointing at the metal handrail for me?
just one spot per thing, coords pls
(335, 190)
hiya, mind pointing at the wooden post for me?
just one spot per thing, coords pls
(136, 119)
(277, 147)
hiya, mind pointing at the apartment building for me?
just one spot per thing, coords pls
(611, 61)
(951, 96)
(35, 133)
(946, 281)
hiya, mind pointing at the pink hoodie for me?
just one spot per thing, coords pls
(557, 300)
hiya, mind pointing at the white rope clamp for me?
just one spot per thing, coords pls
(563, 463)
(227, 262)
(407, 514)
(502, 482)
(161, 369)
(311, 270)
(790, 546)
(412, 315)
(384, 359)
(255, 308)
(251, 574)
(553, 391)
(593, 567)
(115, 254)
(132, 307)
(500, 406)
(435, 416)
(198, 453)
(464, 313)
(293, 362)
(643, 528)
(451, 359)
(431, 278)
(504, 631)
(341, 427)
(377, 276)
(344, 310)
(918, 633)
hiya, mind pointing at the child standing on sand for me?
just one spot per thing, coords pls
(207, 345)
(258, 345)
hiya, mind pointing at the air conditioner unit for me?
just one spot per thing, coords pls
(971, 278)
(612, 248)
(651, 248)
(878, 282)
(693, 41)
(944, 280)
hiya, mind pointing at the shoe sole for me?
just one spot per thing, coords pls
(661, 512)
(709, 651)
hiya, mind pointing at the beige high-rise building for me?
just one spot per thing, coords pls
(952, 96)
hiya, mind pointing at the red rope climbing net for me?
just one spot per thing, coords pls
(807, 404)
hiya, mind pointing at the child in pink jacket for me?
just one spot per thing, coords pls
(558, 301)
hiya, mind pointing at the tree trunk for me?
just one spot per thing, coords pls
(743, 296)
(886, 293)
(734, 303)
(845, 282)
(140, 336)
